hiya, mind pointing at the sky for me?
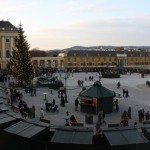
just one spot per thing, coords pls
(60, 24)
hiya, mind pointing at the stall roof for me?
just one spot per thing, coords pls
(97, 90)
(124, 136)
(3, 108)
(25, 129)
(73, 135)
(7, 117)
(1, 101)
(146, 130)
(13, 114)
(146, 126)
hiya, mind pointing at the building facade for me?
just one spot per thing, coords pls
(50, 62)
(87, 60)
(8, 33)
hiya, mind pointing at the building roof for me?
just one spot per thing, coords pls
(93, 53)
(7, 26)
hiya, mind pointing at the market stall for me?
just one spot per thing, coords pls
(96, 98)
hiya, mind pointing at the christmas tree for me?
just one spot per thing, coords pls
(20, 61)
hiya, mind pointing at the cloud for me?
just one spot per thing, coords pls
(114, 31)
(75, 22)
(119, 23)
(88, 6)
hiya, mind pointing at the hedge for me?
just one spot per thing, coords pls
(110, 75)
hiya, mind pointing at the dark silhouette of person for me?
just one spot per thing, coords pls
(53, 102)
(73, 119)
(67, 123)
(34, 91)
(76, 104)
(117, 106)
(129, 112)
(124, 91)
(67, 113)
(62, 101)
(127, 93)
(31, 91)
(33, 111)
(118, 84)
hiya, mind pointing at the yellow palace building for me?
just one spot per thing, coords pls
(81, 59)
(94, 59)
(8, 32)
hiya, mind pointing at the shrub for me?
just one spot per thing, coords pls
(56, 85)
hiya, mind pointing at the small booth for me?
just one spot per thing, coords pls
(72, 138)
(126, 138)
(25, 136)
(96, 98)
(146, 131)
(9, 118)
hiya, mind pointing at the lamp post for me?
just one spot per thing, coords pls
(65, 91)
(99, 76)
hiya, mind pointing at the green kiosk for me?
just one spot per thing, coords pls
(96, 98)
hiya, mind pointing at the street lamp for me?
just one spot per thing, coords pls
(65, 90)
(99, 76)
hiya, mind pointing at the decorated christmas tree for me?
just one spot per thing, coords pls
(20, 61)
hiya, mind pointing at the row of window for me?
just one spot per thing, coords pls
(7, 53)
(106, 64)
(7, 39)
(108, 59)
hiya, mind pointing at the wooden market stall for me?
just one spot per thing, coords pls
(96, 98)
(25, 136)
(70, 137)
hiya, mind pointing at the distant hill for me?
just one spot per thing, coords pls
(97, 48)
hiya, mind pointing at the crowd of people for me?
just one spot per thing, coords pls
(26, 111)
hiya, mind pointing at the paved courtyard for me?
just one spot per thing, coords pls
(139, 97)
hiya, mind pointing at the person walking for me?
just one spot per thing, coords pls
(129, 112)
(53, 102)
(118, 84)
(62, 101)
(100, 116)
(127, 93)
(117, 106)
(76, 104)
(33, 111)
(34, 91)
(124, 92)
(147, 115)
(97, 125)
(41, 114)
(67, 113)
(31, 90)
